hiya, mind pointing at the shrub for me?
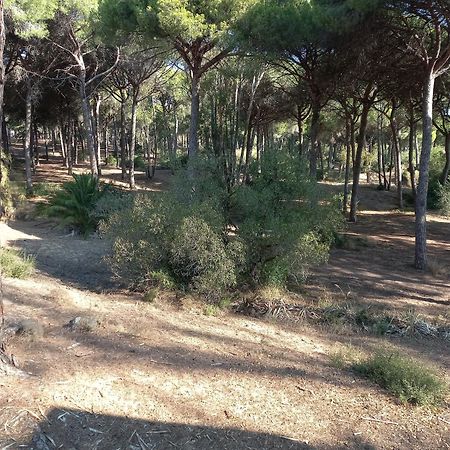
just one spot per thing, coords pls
(139, 239)
(198, 257)
(157, 241)
(443, 193)
(284, 220)
(111, 201)
(406, 378)
(45, 189)
(111, 161)
(15, 264)
(140, 163)
(205, 237)
(76, 201)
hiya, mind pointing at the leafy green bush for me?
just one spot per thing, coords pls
(15, 264)
(434, 187)
(75, 203)
(198, 257)
(111, 161)
(206, 237)
(140, 163)
(407, 379)
(444, 198)
(110, 201)
(45, 189)
(285, 220)
(157, 241)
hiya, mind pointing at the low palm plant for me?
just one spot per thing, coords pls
(76, 201)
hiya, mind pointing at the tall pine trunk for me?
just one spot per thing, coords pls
(133, 140)
(422, 188)
(195, 116)
(28, 131)
(358, 160)
(87, 119)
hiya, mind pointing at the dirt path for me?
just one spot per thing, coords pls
(165, 376)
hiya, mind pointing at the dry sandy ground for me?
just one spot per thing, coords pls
(165, 376)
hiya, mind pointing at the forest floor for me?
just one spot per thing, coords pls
(164, 375)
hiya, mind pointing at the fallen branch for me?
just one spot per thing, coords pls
(372, 419)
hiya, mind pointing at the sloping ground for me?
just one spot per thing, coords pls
(379, 270)
(163, 375)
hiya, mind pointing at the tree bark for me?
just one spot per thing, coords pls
(123, 141)
(313, 151)
(87, 119)
(422, 188)
(133, 139)
(2, 64)
(347, 164)
(397, 155)
(358, 156)
(28, 131)
(411, 146)
(195, 115)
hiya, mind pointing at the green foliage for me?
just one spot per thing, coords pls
(151, 295)
(15, 264)
(45, 189)
(172, 19)
(30, 17)
(434, 188)
(111, 161)
(163, 279)
(204, 239)
(284, 221)
(444, 199)
(198, 257)
(158, 241)
(75, 203)
(140, 163)
(404, 377)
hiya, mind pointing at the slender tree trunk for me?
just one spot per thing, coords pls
(347, 164)
(313, 151)
(63, 145)
(422, 188)
(195, 116)
(2, 64)
(36, 146)
(53, 142)
(97, 133)
(358, 158)
(133, 140)
(397, 156)
(411, 165)
(69, 149)
(28, 131)
(123, 141)
(300, 130)
(87, 119)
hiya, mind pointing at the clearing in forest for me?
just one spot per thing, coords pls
(135, 375)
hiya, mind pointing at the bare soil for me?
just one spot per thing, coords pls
(163, 375)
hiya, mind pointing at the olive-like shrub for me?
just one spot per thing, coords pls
(204, 236)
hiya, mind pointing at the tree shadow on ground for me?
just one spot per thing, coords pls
(70, 258)
(81, 430)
